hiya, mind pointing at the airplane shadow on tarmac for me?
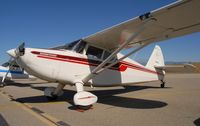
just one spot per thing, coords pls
(104, 97)
(197, 122)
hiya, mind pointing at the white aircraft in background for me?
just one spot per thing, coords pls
(10, 71)
(95, 60)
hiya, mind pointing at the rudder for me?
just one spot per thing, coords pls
(156, 58)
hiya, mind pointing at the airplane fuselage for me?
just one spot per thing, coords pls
(66, 67)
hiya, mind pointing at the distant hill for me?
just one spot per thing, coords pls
(197, 64)
(174, 62)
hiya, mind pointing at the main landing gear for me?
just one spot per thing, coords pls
(162, 85)
(82, 99)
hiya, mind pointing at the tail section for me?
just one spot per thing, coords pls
(156, 59)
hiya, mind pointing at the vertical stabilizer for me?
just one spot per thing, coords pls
(156, 58)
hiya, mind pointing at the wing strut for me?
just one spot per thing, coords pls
(122, 58)
(140, 29)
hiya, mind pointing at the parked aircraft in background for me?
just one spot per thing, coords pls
(10, 70)
(95, 60)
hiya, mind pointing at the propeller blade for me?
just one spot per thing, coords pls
(20, 50)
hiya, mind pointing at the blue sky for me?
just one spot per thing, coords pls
(47, 23)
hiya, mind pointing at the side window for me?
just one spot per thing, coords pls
(94, 53)
(106, 55)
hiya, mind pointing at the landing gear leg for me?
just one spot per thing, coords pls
(52, 93)
(83, 99)
(162, 85)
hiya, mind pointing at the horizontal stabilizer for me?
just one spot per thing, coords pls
(184, 68)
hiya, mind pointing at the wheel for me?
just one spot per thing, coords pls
(48, 92)
(162, 85)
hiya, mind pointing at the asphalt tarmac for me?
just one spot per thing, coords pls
(22, 104)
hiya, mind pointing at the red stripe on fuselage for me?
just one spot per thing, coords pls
(72, 61)
(87, 62)
(137, 67)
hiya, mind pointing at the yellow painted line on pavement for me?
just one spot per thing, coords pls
(48, 122)
(48, 103)
(44, 117)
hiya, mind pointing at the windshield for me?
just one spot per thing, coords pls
(70, 46)
(76, 46)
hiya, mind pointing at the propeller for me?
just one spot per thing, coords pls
(14, 53)
(19, 51)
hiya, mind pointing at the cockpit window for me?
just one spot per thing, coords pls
(94, 53)
(106, 55)
(79, 47)
(70, 46)
(76, 46)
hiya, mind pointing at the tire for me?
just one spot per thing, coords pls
(162, 85)
(48, 92)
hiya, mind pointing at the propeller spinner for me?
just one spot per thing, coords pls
(19, 51)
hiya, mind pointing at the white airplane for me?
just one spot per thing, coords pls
(10, 71)
(95, 60)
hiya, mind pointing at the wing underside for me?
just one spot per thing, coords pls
(177, 19)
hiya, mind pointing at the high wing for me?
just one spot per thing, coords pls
(184, 68)
(177, 19)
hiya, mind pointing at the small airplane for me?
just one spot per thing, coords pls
(96, 60)
(10, 71)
